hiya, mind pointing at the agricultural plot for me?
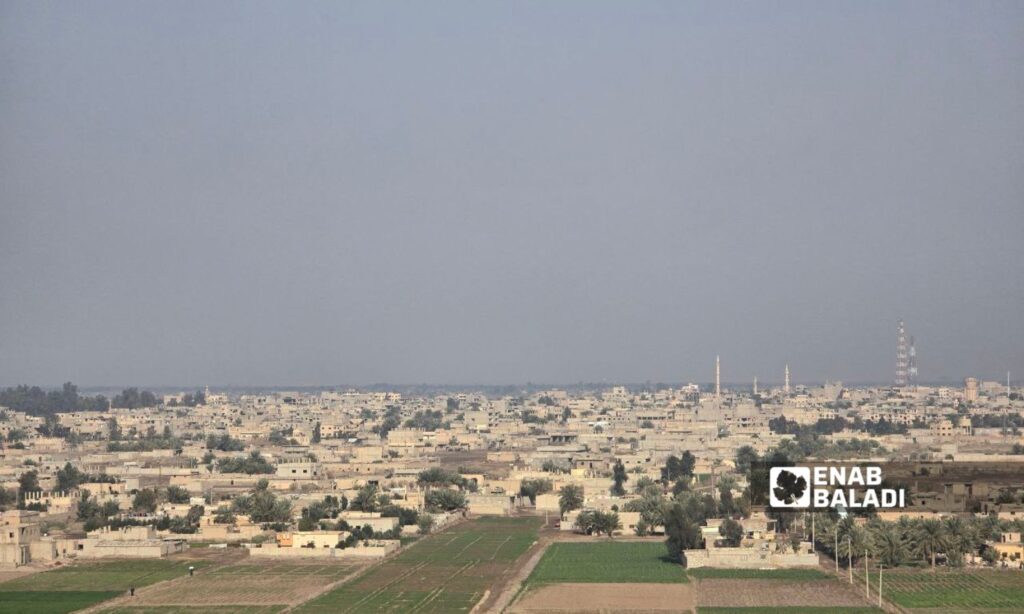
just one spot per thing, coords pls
(75, 587)
(104, 575)
(170, 609)
(758, 574)
(721, 594)
(50, 602)
(952, 590)
(605, 576)
(606, 562)
(790, 610)
(446, 572)
(774, 591)
(250, 584)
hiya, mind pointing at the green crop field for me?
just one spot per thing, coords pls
(327, 572)
(103, 576)
(71, 588)
(50, 602)
(446, 572)
(758, 574)
(948, 590)
(790, 610)
(172, 609)
(608, 561)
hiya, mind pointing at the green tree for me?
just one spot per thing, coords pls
(853, 541)
(425, 523)
(113, 430)
(745, 457)
(533, 487)
(7, 498)
(224, 515)
(251, 465)
(929, 539)
(961, 538)
(731, 532)
(69, 477)
(597, 522)
(605, 522)
(619, 478)
(436, 476)
(681, 532)
(444, 499)
(28, 482)
(650, 505)
(365, 500)
(888, 544)
(177, 494)
(645, 483)
(145, 501)
(570, 497)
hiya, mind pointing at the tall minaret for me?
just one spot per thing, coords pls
(786, 388)
(718, 378)
(755, 385)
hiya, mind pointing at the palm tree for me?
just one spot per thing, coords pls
(823, 528)
(570, 497)
(961, 538)
(607, 523)
(852, 540)
(930, 539)
(888, 545)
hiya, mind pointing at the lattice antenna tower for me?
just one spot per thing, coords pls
(902, 355)
(912, 364)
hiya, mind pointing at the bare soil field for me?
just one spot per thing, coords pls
(618, 597)
(722, 592)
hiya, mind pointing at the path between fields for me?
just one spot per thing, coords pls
(501, 598)
(367, 568)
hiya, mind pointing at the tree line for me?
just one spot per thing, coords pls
(35, 401)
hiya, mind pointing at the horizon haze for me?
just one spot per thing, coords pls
(325, 194)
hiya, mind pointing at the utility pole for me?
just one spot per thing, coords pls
(837, 550)
(880, 568)
(867, 578)
(849, 557)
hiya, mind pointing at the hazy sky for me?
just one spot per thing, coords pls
(339, 192)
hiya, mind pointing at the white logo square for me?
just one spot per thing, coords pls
(789, 487)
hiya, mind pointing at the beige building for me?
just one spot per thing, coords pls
(128, 542)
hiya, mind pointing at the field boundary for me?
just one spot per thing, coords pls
(360, 572)
(511, 592)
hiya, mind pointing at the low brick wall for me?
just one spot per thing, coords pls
(747, 558)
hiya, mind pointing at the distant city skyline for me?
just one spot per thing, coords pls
(307, 194)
